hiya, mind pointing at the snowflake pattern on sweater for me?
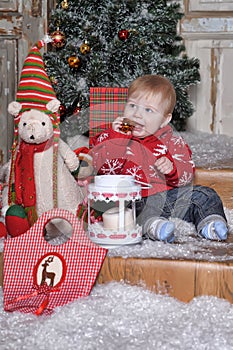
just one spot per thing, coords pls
(114, 154)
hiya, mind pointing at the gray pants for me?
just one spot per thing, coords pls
(196, 204)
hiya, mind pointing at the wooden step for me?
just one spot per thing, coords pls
(181, 279)
(221, 180)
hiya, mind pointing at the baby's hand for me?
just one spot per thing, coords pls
(117, 126)
(164, 165)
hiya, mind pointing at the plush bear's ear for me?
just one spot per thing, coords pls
(53, 105)
(14, 108)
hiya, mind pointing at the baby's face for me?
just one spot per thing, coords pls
(147, 113)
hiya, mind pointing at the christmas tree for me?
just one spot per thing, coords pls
(112, 42)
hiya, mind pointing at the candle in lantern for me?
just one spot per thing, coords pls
(111, 219)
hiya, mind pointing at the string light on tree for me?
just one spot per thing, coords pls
(58, 38)
(53, 80)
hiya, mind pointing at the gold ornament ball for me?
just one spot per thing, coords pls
(59, 39)
(85, 48)
(65, 4)
(74, 62)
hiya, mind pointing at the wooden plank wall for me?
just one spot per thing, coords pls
(207, 29)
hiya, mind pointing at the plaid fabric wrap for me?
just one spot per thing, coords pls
(106, 103)
(39, 276)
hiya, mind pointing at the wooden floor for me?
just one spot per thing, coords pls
(182, 279)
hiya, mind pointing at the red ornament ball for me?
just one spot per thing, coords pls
(123, 34)
(77, 109)
(62, 110)
(59, 39)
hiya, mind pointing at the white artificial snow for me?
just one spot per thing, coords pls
(187, 245)
(210, 151)
(122, 317)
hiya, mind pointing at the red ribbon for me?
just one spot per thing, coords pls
(92, 216)
(43, 289)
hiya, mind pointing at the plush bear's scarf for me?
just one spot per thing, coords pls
(25, 188)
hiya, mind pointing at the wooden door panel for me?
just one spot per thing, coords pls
(7, 93)
(8, 5)
(210, 5)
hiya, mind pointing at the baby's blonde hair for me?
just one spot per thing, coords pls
(154, 85)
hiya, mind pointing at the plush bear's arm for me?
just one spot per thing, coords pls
(70, 158)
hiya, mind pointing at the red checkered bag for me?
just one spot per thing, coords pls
(39, 276)
(106, 103)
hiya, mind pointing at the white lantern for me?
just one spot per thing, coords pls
(110, 194)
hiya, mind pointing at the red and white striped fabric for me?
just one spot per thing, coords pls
(35, 88)
(39, 276)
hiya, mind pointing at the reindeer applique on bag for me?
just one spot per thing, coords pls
(39, 276)
(47, 275)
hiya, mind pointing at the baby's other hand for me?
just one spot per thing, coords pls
(164, 165)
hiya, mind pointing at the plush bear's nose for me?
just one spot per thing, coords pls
(32, 137)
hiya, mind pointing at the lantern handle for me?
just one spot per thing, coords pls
(146, 185)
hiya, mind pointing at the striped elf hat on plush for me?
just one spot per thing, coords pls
(35, 91)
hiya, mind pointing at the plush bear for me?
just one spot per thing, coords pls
(43, 168)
